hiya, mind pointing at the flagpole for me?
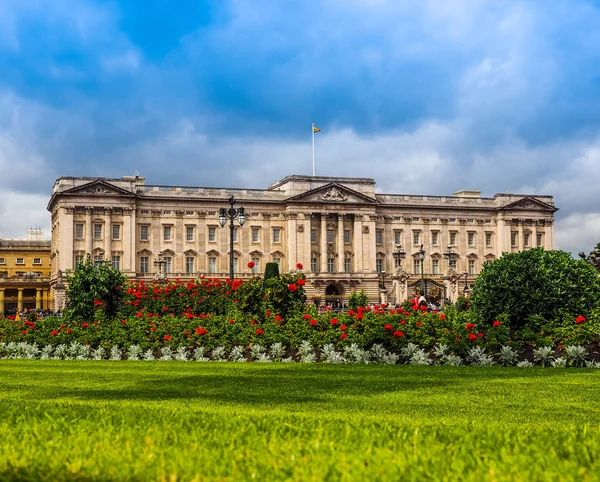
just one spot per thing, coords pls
(313, 146)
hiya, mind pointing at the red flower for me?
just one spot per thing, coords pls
(123, 322)
(313, 322)
(95, 323)
(231, 321)
(54, 333)
(387, 327)
(496, 324)
(359, 316)
(470, 326)
(139, 314)
(165, 308)
(153, 328)
(62, 327)
(251, 264)
(201, 331)
(278, 318)
(419, 323)
(403, 322)
(97, 303)
(398, 334)
(292, 287)
(472, 337)
(334, 321)
(252, 322)
(423, 308)
(259, 331)
(24, 332)
(167, 337)
(343, 327)
(69, 331)
(299, 266)
(343, 336)
(301, 282)
(84, 325)
(268, 313)
(442, 316)
(306, 316)
(457, 336)
(580, 319)
(186, 333)
(480, 335)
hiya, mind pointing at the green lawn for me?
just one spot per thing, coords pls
(63, 420)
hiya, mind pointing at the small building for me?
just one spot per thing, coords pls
(24, 273)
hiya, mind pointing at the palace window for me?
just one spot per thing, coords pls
(313, 236)
(471, 266)
(452, 238)
(347, 265)
(379, 265)
(276, 235)
(212, 264)
(330, 236)
(330, 265)
(417, 266)
(98, 260)
(143, 264)
(255, 234)
(278, 261)
(526, 238)
(488, 240)
(416, 238)
(189, 233)
(116, 231)
(78, 230)
(144, 233)
(346, 236)
(434, 238)
(97, 231)
(513, 239)
(78, 260)
(116, 262)
(37, 260)
(471, 238)
(20, 260)
(235, 264)
(189, 264)
(212, 234)
(256, 267)
(397, 237)
(168, 265)
(313, 265)
(435, 266)
(379, 236)
(539, 239)
(453, 264)
(166, 233)
(2, 261)
(397, 263)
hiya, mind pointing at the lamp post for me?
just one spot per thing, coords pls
(231, 214)
(422, 258)
(160, 262)
(382, 277)
(466, 290)
(450, 255)
(399, 254)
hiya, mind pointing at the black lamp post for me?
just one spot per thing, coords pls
(466, 290)
(382, 277)
(422, 258)
(399, 254)
(231, 214)
(450, 255)
(160, 262)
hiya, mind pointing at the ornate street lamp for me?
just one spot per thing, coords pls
(450, 255)
(160, 262)
(399, 254)
(422, 258)
(466, 291)
(231, 214)
(382, 277)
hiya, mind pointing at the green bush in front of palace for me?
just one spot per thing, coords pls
(535, 284)
(271, 270)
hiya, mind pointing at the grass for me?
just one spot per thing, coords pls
(63, 420)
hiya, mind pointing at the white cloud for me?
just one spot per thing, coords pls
(21, 211)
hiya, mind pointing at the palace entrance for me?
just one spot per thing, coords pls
(434, 291)
(334, 295)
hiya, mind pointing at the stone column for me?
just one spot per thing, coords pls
(323, 243)
(358, 243)
(19, 299)
(107, 234)
(1, 301)
(128, 235)
(307, 253)
(548, 235)
(44, 299)
(340, 243)
(38, 299)
(89, 231)
(292, 252)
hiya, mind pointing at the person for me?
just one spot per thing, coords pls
(422, 301)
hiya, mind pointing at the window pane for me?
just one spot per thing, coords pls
(167, 233)
(235, 265)
(539, 239)
(379, 265)
(212, 264)
(416, 237)
(488, 239)
(116, 231)
(189, 233)
(452, 239)
(235, 235)
(347, 265)
(97, 231)
(330, 265)
(313, 265)
(278, 261)
(453, 264)
(435, 266)
(434, 238)
(397, 237)
(78, 260)
(513, 239)
(79, 231)
(167, 264)
(471, 266)
(212, 235)
(526, 239)
(144, 233)
(276, 235)
(379, 237)
(255, 234)
(144, 264)
(417, 266)
(256, 267)
(346, 236)
(116, 262)
(313, 236)
(189, 264)
(330, 234)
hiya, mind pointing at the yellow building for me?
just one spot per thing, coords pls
(24, 275)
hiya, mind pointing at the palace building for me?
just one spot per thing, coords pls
(345, 234)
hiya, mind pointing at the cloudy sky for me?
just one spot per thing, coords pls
(425, 96)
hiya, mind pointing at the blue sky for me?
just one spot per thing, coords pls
(424, 96)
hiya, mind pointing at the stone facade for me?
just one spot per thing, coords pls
(340, 229)
(24, 275)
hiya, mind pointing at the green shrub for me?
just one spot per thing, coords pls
(271, 270)
(550, 284)
(357, 299)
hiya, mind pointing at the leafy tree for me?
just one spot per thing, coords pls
(593, 258)
(271, 270)
(94, 287)
(357, 299)
(535, 282)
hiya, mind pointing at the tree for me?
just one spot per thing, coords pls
(93, 286)
(271, 270)
(535, 282)
(593, 258)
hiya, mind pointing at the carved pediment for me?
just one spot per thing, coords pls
(98, 187)
(277, 254)
(256, 253)
(167, 252)
(145, 252)
(191, 252)
(529, 203)
(213, 252)
(490, 257)
(332, 193)
(472, 256)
